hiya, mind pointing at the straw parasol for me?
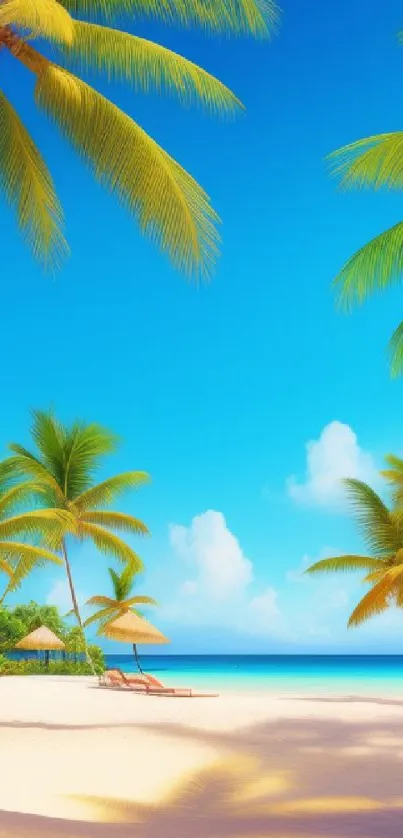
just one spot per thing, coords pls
(42, 639)
(130, 628)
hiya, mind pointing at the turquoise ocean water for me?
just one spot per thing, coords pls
(347, 674)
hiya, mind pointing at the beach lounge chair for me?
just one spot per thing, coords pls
(146, 684)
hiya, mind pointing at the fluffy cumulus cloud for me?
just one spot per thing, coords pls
(213, 554)
(218, 588)
(331, 458)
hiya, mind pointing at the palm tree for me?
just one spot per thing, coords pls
(111, 608)
(168, 204)
(64, 466)
(19, 557)
(375, 162)
(382, 529)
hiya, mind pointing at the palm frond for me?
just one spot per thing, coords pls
(146, 65)
(26, 464)
(139, 600)
(28, 187)
(377, 524)
(259, 18)
(116, 521)
(377, 599)
(83, 448)
(396, 351)
(28, 557)
(372, 268)
(101, 600)
(394, 475)
(345, 563)
(106, 492)
(16, 495)
(5, 567)
(47, 522)
(110, 544)
(42, 18)
(104, 615)
(170, 207)
(374, 161)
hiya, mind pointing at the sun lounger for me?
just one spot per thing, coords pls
(146, 684)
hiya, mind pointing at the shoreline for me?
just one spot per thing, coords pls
(80, 759)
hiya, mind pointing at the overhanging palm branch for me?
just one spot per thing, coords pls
(146, 65)
(257, 17)
(42, 18)
(378, 598)
(382, 530)
(28, 187)
(375, 266)
(168, 204)
(375, 162)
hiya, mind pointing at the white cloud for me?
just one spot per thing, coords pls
(214, 553)
(217, 591)
(332, 457)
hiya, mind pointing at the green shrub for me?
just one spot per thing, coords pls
(34, 667)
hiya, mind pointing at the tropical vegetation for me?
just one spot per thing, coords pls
(123, 601)
(170, 207)
(17, 622)
(375, 161)
(19, 526)
(382, 529)
(63, 466)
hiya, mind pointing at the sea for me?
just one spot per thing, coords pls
(309, 674)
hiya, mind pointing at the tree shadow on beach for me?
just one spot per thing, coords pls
(283, 779)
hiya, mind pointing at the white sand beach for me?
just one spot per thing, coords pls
(76, 758)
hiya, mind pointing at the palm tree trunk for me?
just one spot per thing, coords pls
(137, 658)
(75, 606)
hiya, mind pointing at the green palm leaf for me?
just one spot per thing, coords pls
(27, 558)
(106, 492)
(378, 526)
(47, 522)
(110, 544)
(28, 187)
(343, 563)
(116, 520)
(18, 494)
(374, 161)
(396, 351)
(394, 475)
(104, 615)
(170, 207)
(24, 463)
(372, 268)
(146, 66)
(256, 17)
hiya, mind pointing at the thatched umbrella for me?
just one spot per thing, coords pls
(42, 639)
(130, 628)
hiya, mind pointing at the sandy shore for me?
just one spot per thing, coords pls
(76, 758)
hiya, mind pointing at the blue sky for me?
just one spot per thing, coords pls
(217, 390)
